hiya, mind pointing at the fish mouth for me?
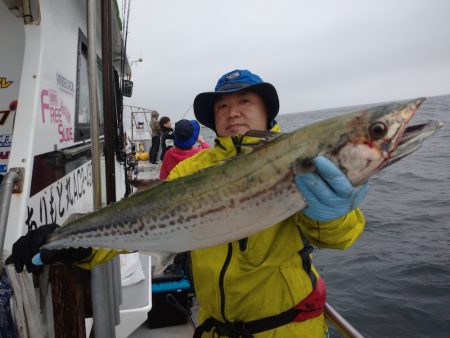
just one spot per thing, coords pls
(411, 139)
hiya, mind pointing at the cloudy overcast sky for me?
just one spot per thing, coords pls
(318, 54)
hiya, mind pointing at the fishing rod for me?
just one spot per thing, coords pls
(187, 110)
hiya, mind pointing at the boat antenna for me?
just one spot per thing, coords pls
(126, 15)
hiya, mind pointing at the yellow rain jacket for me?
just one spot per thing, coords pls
(235, 282)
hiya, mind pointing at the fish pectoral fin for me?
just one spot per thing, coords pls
(303, 166)
(160, 261)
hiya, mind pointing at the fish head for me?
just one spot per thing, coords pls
(377, 137)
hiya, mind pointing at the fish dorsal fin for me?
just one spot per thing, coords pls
(264, 136)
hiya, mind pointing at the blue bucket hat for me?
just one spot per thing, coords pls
(186, 133)
(234, 81)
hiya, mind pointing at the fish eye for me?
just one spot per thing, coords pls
(378, 130)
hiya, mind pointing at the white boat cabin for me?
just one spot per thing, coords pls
(45, 122)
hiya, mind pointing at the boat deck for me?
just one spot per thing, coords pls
(147, 170)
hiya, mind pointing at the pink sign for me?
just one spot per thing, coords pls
(53, 111)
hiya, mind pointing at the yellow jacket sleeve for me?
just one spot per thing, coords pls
(340, 233)
(97, 257)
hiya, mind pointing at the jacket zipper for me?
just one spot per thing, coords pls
(221, 280)
(237, 144)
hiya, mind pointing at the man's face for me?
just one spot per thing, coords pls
(237, 113)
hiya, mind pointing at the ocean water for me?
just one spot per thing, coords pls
(395, 280)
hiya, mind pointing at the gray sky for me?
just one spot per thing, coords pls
(318, 54)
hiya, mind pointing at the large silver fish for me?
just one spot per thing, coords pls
(251, 192)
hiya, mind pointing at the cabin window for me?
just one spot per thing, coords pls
(83, 113)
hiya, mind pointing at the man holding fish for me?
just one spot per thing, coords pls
(265, 285)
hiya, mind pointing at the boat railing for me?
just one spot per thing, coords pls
(344, 327)
(11, 183)
(139, 122)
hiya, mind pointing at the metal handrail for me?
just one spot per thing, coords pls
(8, 183)
(102, 304)
(343, 326)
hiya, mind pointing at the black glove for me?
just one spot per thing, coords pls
(26, 247)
